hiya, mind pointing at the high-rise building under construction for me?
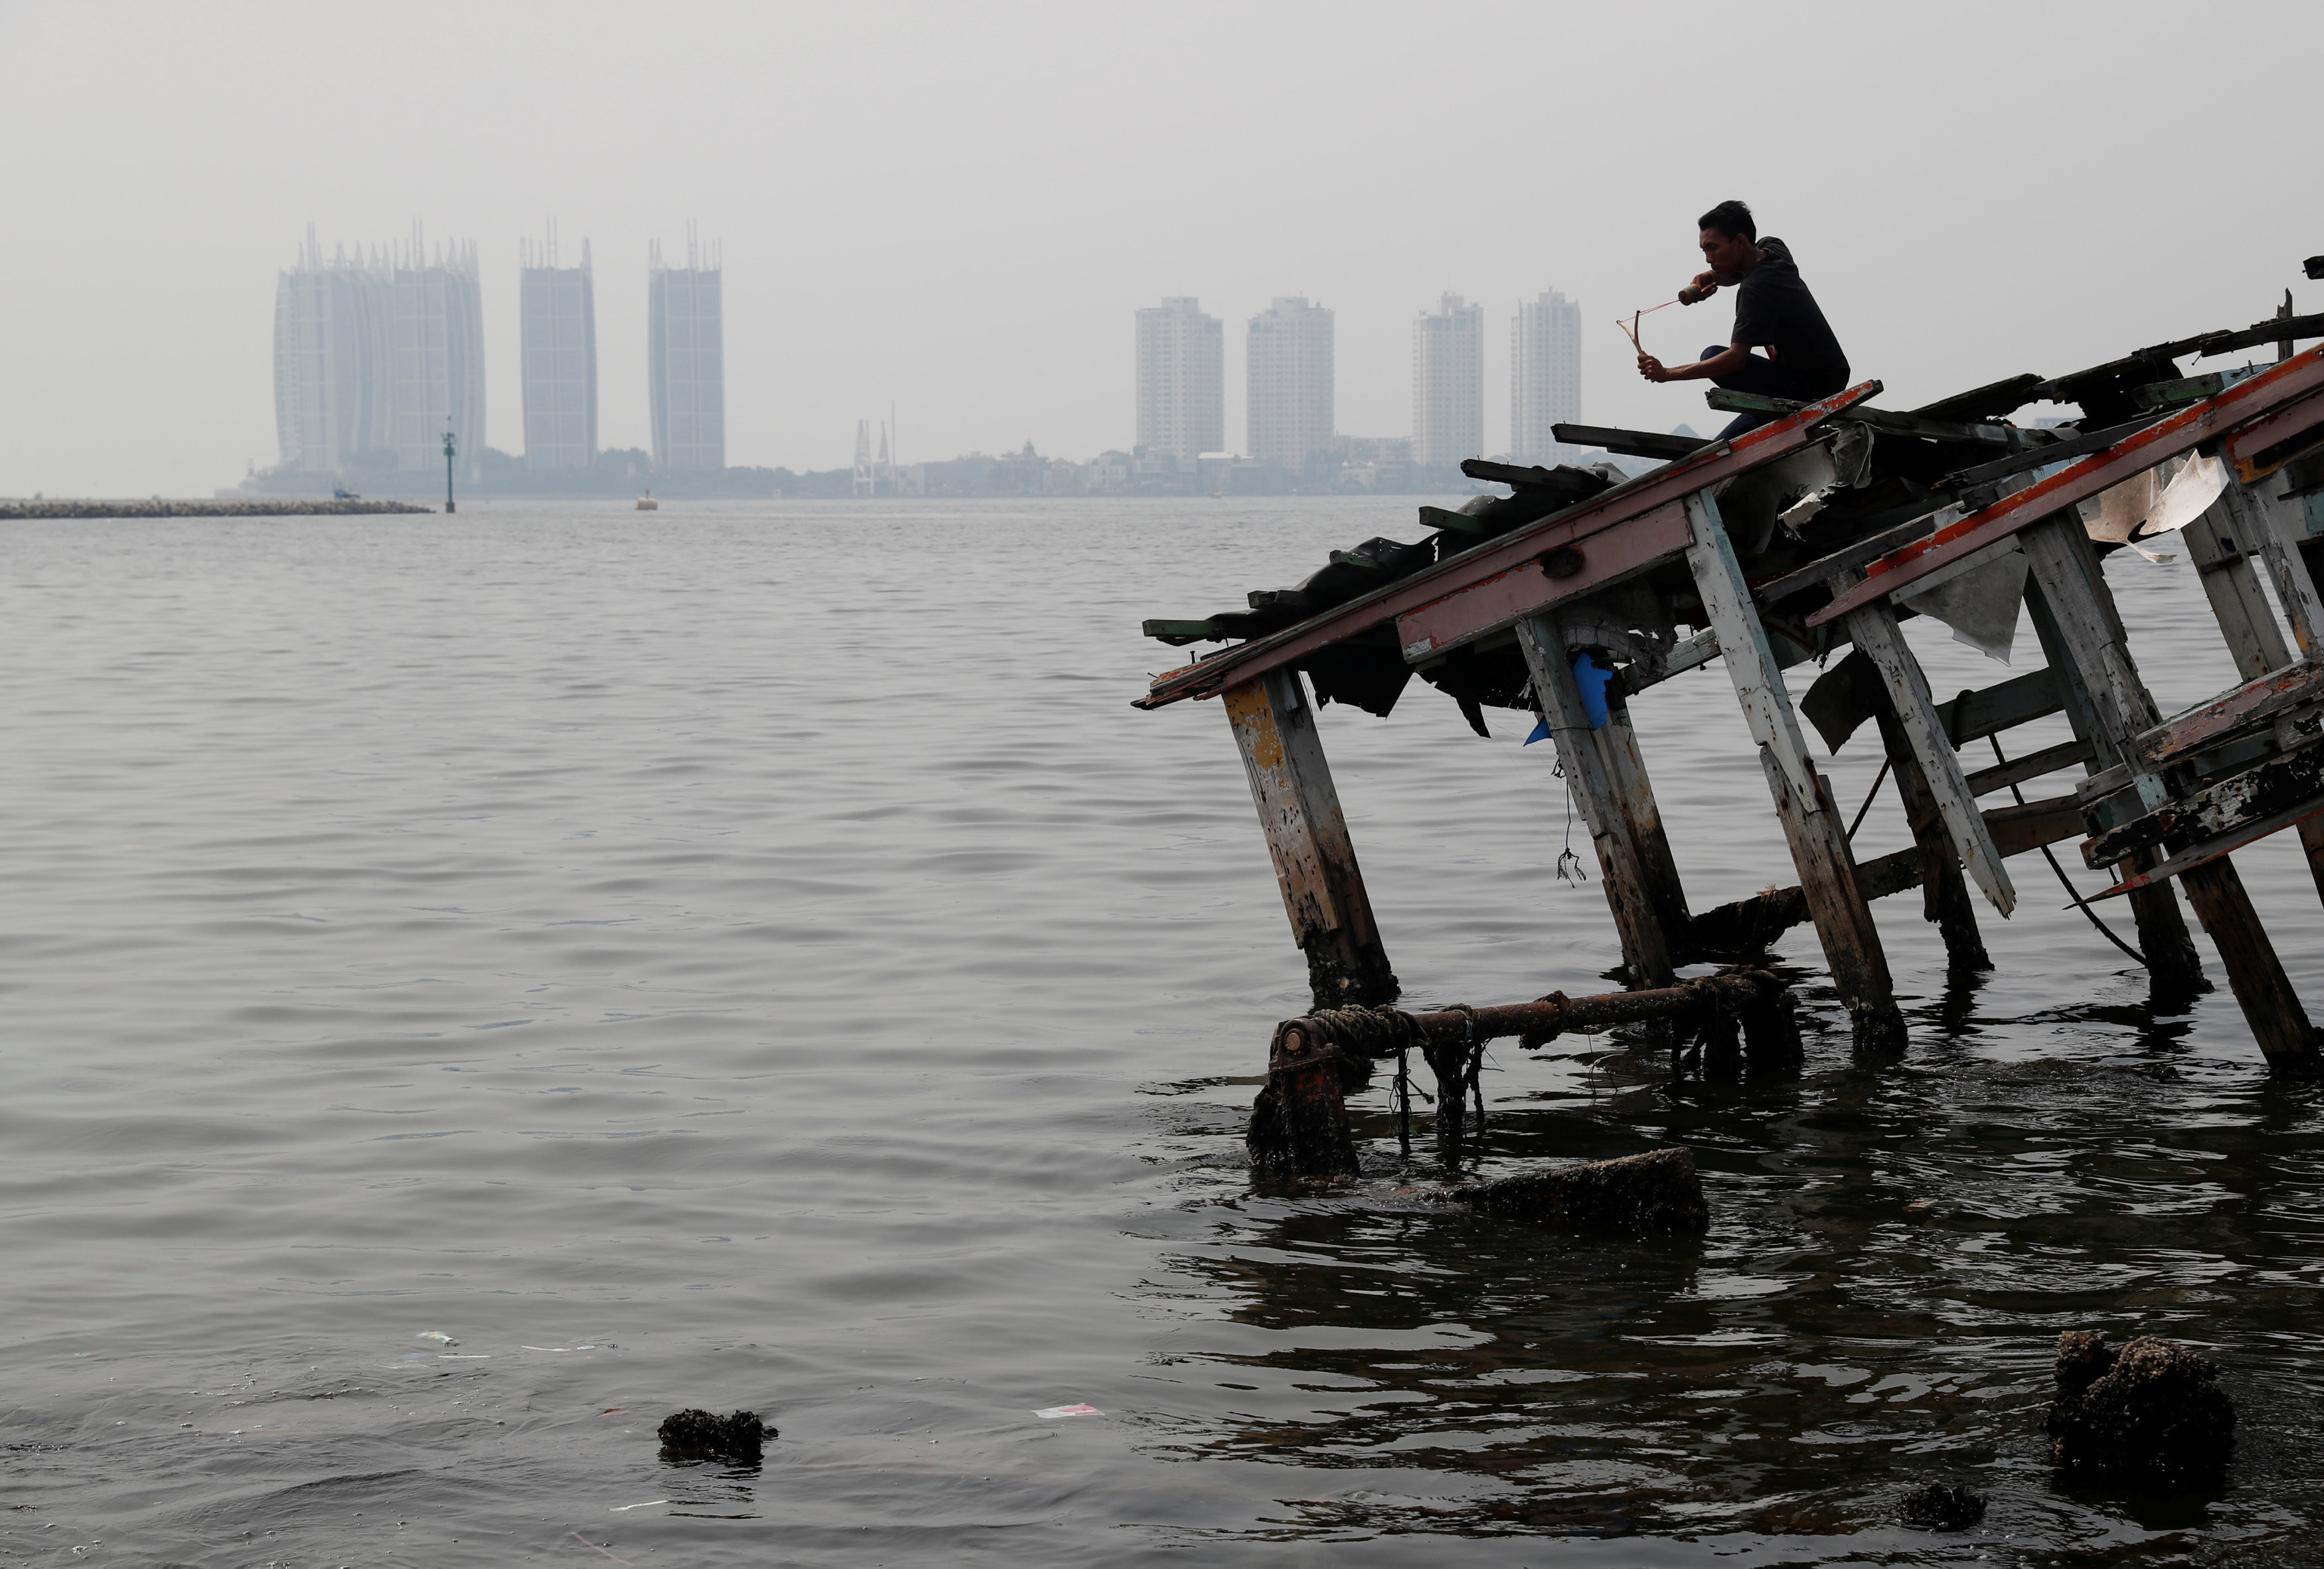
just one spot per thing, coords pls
(687, 362)
(331, 372)
(376, 358)
(558, 310)
(436, 333)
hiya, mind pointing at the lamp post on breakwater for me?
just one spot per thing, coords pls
(449, 504)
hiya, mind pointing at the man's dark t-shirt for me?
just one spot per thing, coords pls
(1773, 309)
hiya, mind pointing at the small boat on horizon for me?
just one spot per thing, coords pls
(646, 503)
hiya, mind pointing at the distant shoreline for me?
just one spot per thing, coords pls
(198, 509)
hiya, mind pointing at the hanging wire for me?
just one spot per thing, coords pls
(1404, 1102)
(2065, 882)
(1569, 864)
(1869, 797)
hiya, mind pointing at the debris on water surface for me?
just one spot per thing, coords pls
(1069, 1411)
(2149, 1410)
(698, 1434)
(1938, 1508)
(439, 1336)
(1659, 1191)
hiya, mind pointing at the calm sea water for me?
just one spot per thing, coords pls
(753, 955)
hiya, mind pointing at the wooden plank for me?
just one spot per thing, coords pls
(1573, 526)
(2032, 766)
(1920, 518)
(2081, 614)
(2265, 446)
(1992, 401)
(1525, 590)
(1632, 443)
(2305, 815)
(1874, 629)
(2167, 437)
(1454, 522)
(1650, 671)
(1323, 895)
(2015, 438)
(1818, 845)
(2280, 784)
(1621, 869)
(2255, 703)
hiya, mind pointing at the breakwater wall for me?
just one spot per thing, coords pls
(210, 508)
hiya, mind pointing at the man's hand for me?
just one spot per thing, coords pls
(1703, 287)
(1652, 368)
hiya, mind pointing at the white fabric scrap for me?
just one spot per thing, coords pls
(2147, 504)
(1977, 597)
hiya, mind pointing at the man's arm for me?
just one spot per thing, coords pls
(1725, 360)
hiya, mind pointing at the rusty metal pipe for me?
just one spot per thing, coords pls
(1382, 1032)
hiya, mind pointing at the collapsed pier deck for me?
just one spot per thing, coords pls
(1812, 538)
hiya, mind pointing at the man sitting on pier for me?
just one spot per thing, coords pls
(1773, 310)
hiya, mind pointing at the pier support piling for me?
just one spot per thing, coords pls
(1591, 774)
(2080, 616)
(2249, 626)
(1331, 915)
(1812, 827)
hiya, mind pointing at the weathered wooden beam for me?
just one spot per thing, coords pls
(1502, 600)
(2248, 624)
(2082, 612)
(2255, 704)
(2163, 938)
(1331, 915)
(2265, 521)
(1621, 866)
(1749, 925)
(2033, 765)
(1873, 629)
(2247, 401)
(2280, 785)
(1727, 400)
(1819, 844)
(1632, 443)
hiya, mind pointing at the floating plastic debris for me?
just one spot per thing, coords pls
(437, 1335)
(1069, 1411)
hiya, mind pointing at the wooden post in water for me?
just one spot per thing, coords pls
(2249, 626)
(1623, 874)
(1945, 900)
(1818, 841)
(1274, 724)
(2089, 632)
(1633, 792)
(2169, 952)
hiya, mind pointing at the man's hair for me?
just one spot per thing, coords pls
(1731, 219)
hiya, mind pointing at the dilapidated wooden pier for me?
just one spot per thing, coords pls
(1811, 538)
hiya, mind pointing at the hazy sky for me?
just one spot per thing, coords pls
(956, 206)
